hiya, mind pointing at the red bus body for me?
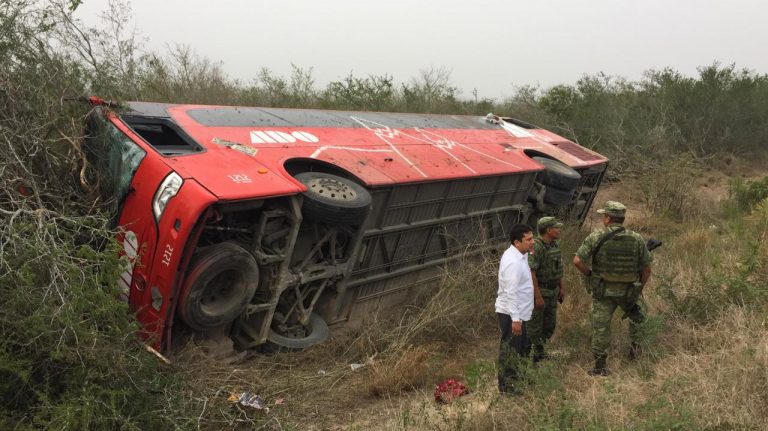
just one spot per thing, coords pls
(199, 182)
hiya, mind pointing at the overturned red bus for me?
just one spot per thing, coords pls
(266, 224)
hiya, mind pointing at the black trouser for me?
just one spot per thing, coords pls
(512, 349)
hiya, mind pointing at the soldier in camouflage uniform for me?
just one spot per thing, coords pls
(547, 272)
(621, 266)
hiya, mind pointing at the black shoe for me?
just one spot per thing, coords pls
(510, 391)
(635, 351)
(600, 368)
(539, 354)
(603, 372)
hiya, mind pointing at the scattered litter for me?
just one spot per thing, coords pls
(159, 355)
(449, 390)
(368, 361)
(249, 400)
(280, 401)
(322, 372)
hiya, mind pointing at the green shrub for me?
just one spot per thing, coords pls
(666, 189)
(661, 413)
(67, 345)
(744, 195)
(478, 371)
(70, 357)
(561, 413)
(709, 295)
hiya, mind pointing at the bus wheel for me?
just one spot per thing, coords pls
(298, 336)
(333, 199)
(218, 287)
(558, 175)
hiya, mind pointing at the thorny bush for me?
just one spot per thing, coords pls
(68, 356)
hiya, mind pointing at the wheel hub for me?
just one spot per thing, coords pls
(332, 188)
(223, 291)
(288, 329)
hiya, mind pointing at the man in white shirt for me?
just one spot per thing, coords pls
(514, 305)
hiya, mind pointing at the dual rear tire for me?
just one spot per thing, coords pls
(561, 181)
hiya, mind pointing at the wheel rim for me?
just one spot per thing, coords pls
(222, 293)
(333, 189)
(289, 329)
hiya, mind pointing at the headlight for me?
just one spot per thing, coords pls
(168, 189)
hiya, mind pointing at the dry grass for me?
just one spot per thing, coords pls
(698, 373)
(409, 369)
(711, 374)
(696, 376)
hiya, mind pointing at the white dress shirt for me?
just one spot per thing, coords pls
(515, 296)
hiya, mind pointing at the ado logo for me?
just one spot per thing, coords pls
(277, 137)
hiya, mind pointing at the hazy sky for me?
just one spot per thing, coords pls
(493, 46)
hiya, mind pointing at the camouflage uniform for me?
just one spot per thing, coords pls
(547, 262)
(617, 264)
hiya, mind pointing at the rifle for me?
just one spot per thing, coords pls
(653, 244)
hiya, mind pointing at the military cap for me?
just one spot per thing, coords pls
(613, 209)
(545, 222)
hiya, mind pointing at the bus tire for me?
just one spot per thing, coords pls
(222, 280)
(558, 175)
(317, 332)
(333, 199)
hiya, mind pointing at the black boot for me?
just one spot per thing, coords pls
(635, 351)
(600, 367)
(506, 387)
(539, 354)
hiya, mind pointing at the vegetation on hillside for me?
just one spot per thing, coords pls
(68, 355)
